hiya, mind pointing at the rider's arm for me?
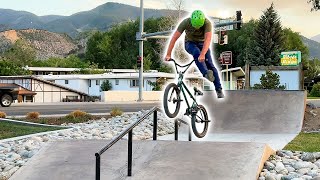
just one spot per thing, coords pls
(181, 28)
(174, 38)
(207, 42)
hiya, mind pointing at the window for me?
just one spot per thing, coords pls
(89, 82)
(29, 98)
(66, 82)
(98, 82)
(134, 83)
(117, 81)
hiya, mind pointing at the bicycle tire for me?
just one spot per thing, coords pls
(194, 123)
(165, 100)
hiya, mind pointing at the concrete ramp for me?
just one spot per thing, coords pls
(156, 160)
(246, 128)
(270, 117)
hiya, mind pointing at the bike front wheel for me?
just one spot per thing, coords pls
(171, 100)
(200, 122)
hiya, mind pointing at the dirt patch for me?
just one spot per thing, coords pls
(311, 119)
(11, 35)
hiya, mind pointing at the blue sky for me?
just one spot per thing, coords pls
(294, 13)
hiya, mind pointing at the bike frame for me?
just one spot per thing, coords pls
(182, 86)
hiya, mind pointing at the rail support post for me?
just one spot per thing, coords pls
(176, 130)
(155, 125)
(130, 153)
(97, 166)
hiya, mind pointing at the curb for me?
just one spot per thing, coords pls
(31, 123)
(30, 135)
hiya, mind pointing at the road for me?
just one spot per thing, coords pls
(66, 108)
(316, 102)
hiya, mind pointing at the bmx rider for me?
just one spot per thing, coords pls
(197, 42)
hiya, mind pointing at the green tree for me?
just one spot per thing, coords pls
(315, 92)
(118, 47)
(9, 68)
(268, 39)
(71, 61)
(269, 81)
(20, 53)
(106, 86)
(313, 68)
(240, 42)
(293, 42)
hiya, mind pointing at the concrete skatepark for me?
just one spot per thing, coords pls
(247, 127)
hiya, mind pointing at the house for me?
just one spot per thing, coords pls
(33, 89)
(91, 84)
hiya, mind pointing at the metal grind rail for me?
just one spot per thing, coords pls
(129, 131)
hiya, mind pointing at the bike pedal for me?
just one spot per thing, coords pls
(206, 121)
(177, 100)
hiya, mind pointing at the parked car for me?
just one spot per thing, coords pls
(7, 96)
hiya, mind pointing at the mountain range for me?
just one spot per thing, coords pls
(100, 18)
(314, 47)
(316, 38)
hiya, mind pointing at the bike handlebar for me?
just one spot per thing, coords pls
(182, 66)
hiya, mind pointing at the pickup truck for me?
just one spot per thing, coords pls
(8, 95)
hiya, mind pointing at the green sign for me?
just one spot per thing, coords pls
(292, 58)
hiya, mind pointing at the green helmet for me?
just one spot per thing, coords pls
(197, 19)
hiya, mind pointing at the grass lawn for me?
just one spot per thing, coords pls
(9, 129)
(313, 97)
(64, 119)
(307, 142)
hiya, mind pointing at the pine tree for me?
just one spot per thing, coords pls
(268, 39)
(269, 81)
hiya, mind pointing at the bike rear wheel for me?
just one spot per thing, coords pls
(200, 122)
(171, 100)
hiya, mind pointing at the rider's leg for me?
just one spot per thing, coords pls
(194, 50)
(211, 66)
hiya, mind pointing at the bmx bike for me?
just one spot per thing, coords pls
(172, 101)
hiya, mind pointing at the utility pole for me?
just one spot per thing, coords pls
(141, 50)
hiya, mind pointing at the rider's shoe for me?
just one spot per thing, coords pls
(209, 75)
(220, 93)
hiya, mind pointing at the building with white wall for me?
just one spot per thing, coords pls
(43, 91)
(91, 84)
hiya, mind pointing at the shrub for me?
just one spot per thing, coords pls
(77, 114)
(3, 115)
(33, 115)
(315, 92)
(116, 112)
(106, 86)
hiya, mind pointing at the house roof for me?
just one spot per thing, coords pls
(58, 69)
(116, 76)
(21, 90)
(44, 81)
